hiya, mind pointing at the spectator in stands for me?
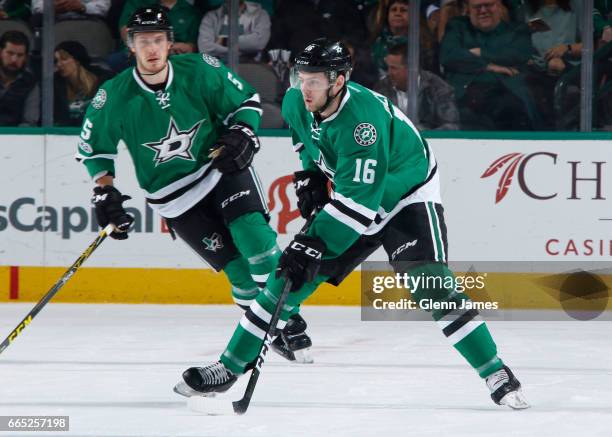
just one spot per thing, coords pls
(19, 90)
(254, 23)
(439, 12)
(392, 29)
(76, 82)
(184, 18)
(14, 9)
(71, 9)
(554, 50)
(602, 16)
(436, 99)
(484, 59)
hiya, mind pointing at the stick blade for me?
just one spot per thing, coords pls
(210, 406)
(241, 406)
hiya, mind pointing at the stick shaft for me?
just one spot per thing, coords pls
(58, 285)
(242, 405)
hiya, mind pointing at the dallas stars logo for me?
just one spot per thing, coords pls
(213, 242)
(365, 134)
(176, 143)
(320, 161)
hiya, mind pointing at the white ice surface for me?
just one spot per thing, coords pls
(111, 368)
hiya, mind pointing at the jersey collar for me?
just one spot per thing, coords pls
(340, 106)
(144, 86)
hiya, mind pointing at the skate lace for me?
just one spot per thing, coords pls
(497, 379)
(214, 374)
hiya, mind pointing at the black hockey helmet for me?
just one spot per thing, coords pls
(150, 19)
(323, 55)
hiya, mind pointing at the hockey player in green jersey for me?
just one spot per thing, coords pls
(385, 193)
(189, 124)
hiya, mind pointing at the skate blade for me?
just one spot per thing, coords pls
(303, 356)
(184, 390)
(515, 400)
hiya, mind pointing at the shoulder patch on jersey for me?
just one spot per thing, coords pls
(211, 60)
(99, 99)
(365, 134)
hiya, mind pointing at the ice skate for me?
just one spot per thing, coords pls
(205, 381)
(293, 343)
(506, 389)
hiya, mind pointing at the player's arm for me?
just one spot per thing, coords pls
(236, 104)
(359, 184)
(310, 183)
(97, 150)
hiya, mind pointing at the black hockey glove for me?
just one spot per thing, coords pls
(235, 149)
(311, 190)
(301, 260)
(109, 209)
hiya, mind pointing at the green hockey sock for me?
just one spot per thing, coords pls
(460, 323)
(244, 289)
(256, 241)
(246, 341)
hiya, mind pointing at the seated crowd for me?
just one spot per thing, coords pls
(483, 64)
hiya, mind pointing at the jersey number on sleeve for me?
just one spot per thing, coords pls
(86, 132)
(235, 81)
(367, 177)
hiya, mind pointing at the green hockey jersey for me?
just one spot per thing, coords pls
(169, 133)
(375, 157)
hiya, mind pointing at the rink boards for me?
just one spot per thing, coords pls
(532, 201)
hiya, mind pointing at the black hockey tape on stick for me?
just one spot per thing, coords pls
(58, 285)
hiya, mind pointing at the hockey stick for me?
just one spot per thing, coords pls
(58, 285)
(242, 405)
(212, 406)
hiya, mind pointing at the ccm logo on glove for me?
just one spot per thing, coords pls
(235, 149)
(309, 251)
(108, 202)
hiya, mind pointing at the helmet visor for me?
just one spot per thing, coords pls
(306, 81)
